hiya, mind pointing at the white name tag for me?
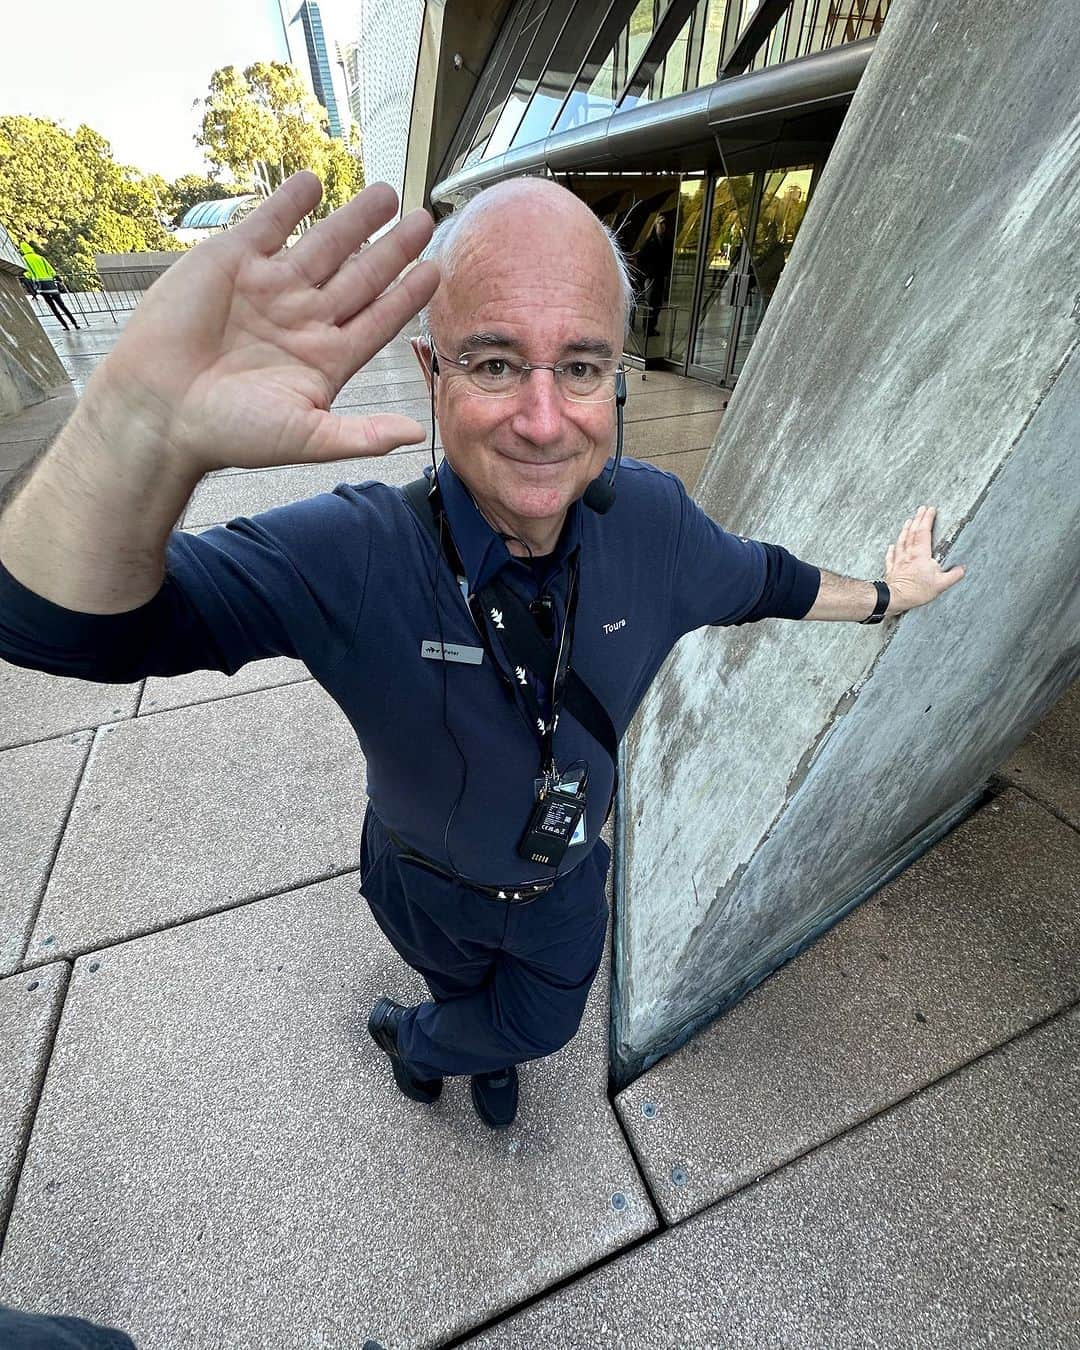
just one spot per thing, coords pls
(451, 651)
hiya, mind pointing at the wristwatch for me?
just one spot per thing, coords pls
(882, 605)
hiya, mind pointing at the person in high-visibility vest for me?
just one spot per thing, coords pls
(42, 277)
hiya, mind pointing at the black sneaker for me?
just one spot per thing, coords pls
(383, 1028)
(495, 1096)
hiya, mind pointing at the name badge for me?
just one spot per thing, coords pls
(451, 651)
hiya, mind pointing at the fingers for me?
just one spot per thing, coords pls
(269, 225)
(336, 437)
(367, 275)
(327, 245)
(916, 533)
(385, 317)
(952, 576)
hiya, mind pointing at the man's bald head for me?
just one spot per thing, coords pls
(522, 217)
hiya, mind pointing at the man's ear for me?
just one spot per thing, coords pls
(423, 353)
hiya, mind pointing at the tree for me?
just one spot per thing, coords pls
(263, 124)
(64, 193)
(190, 189)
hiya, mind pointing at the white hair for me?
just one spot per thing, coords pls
(443, 243)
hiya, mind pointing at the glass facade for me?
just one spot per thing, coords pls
(707, 243)
(318, 63)
(567, 63)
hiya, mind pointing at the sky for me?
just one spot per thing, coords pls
(132, 71)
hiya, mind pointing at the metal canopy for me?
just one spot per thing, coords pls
(744, 114)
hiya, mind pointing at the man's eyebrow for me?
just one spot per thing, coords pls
(478, 341)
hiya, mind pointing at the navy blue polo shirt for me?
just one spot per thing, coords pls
(344, 582)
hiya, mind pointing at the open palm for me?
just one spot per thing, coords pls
(235, 355)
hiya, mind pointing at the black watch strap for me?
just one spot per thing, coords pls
(883, 598)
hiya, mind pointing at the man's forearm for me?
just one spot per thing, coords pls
(844, 598)
(86, 525)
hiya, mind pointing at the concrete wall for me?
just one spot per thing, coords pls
(134, 271)
(920, 348)
(29, 368)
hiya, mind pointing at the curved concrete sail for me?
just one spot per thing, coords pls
(919, 348)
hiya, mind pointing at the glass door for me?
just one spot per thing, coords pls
(780, 207)
(725, 272)
(669, 327)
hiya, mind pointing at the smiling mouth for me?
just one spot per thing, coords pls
(536, 463)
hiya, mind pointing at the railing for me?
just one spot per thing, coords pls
(121, 292)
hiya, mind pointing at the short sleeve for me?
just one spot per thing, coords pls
(723, 578)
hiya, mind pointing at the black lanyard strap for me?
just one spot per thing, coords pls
(530, 649)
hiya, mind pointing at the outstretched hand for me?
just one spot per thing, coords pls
(912, 573)
(236, 353)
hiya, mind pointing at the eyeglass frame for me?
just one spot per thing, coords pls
(526, 368)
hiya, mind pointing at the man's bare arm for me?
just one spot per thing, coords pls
(912, 574)
(232, 359)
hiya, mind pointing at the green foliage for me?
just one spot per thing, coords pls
(263, 124)
(66, 194)
(190, 189)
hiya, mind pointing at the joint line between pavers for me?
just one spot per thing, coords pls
(1054, 1016)
(216, 698)
(299, 885)
(29, 929)
(37, 1090)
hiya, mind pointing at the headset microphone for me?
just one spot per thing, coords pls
(600, 494)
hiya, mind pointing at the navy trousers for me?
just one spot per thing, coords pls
(508, 981)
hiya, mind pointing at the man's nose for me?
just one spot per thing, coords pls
(540, 408)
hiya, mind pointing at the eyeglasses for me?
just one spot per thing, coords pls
(582, 380)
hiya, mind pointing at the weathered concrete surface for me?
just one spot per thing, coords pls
(29, 1012)
(37, 784)
(29, 368)
(977, 942)
(918, 350)
(221, 1159)
(948, 1222)
(182, 813)
(1047, 763)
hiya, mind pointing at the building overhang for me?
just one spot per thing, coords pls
(733, 125)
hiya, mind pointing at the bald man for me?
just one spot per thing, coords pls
(489, 632)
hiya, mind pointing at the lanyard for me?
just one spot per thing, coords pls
(503, 620)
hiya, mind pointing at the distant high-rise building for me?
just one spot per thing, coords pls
(318, 63)
(348, 55)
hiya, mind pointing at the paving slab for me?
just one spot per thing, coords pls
(686, 464)
(246, 493)
(388, 389)
(696, 431)
(951, 1221)
(1047, 763)
(645, 402)
(182, 813)
(40, 420)
(29, 1011)
(976, 941)
(221, 1159)
(37, 784)
(201, 686)
(35, 706)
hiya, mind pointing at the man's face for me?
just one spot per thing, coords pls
(533, 280)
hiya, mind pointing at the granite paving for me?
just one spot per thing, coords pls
(1047, 764)
(29, 1011)
(975, 942)
(178, 691)
(949, 1221)
(34, 706)
(221, 1157)
(184, 812)
(37, 785)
